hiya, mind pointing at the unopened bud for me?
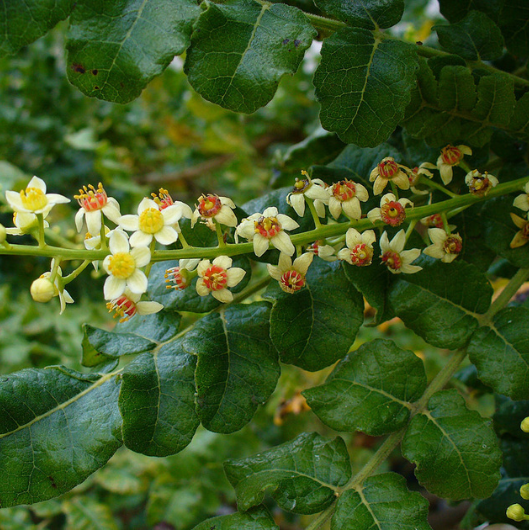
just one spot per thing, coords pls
(2, 233)
(42, 290)
(524, 492)
(525, 424)
(516, 512)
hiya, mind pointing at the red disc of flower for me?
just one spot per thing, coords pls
(163, 199)
(361, 255)
(92, 199)
(292, 281)
(392, 260)
(451, 155)
(209, 205)
(124, 308)
(433, 221)
(388, 168)
(344, 190)
(178, 277)
(215, 278)
(267, 227)
(393, 213)
(453, 244)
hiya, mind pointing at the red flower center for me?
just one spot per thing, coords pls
(361, 255)
(92, 199)
(209, 205)
(434, 221)
(344, 190)
(388, 169)
(393, 213)
(453, 245)
(292, 281)
(267, 226)
(392, 260)
(215, 278)
(178, 277)
(123, 306)
(451, 155)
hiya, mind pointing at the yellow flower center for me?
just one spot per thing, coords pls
(151, 221)
(33, 199)
(122, 265)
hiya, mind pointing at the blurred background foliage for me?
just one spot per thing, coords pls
(169, 137)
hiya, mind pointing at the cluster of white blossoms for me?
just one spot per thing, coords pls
(131, 243)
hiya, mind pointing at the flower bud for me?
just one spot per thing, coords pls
(516, 512)
(2, 233)
(43, 290)
(524, 492)
(525, 424)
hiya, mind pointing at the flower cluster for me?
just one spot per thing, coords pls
(127, 259)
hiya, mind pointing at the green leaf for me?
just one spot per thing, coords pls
(520, 118)
(455, 450)
(382, 502)
(189, 299)
(503, 348)
(116, 48)
(368, 14)
(457, 90)
(24, 22)
(364, 85)
(241, 49)
(255, 519)
(514, 24)
(57, 427)
(138, 335)
(442, 302)
(509, 415)
(85, 513)
(455, 10)
(157, 401)
(301, 475)
(314, 327)
(237, 367)
(476, 38)
(371, 390)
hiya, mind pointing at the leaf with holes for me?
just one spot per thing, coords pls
(371, 390)
(116, 48)
(382, 502)
(314, 327)
(237, 367)
(301, 475)
(241, 49)
(57, 427)
(455, 450)
(364, 85)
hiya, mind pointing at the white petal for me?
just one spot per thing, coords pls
(270, 212)
(285, 262)
(320, 207)
(223, 261)
(379, 185)
(297, 201)
(302, 263)
(435, 251)
(402, 181)
(79, 219)
(398, 242)
(282, 242)
(194, 217)
(148, 308)
(129, 222)
(140, 239)
(260, 244)
(145, 204)
(493, 180)
(166, 236)
(446, 173)
(384, 243)
(172, 214)
(374, 215)
(111, 210)
(437, 235)
(353, 237)
(410, 269)
(335, 207)
(93, 222)
(369, 237)
(406, 202)
(223, 295)
(388, 197)
(137, 282)
(274, 271)
(202, 290)
(227, 201)
(522, 202)
(189, 264)
(14, 200)
(226, 216)
(114, 287)
(465, 149)
(409, 256)
(186, 210)
(38, 183)
(142, 256)
(55, 198)
(246, 229)
(345, 254)
(352, 208)
(118, 242)
(203, 266)
(317, 192)
(287, 223)
(361, 192)
(235, 275)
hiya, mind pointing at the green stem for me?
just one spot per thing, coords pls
(435, 185)
(251, 289)
(410, 229)
(182, 240)
(314, 213)
(41, 239)
(322, 518)
(67, 279)
(149, 265)
(445, 223)
(103, 235)
(220, 235)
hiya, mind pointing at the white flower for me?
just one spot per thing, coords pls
(94, 203)
(291, 276)
(312, 189)
(451, 156)
(34, 198)
(43, 290)
(325, 252)
(268, 227)
(151, 222)
(346, 195)
(128, 305)
(216, 277)
(391, 211)
(480, 183)
(522, 201)
(24, 224)
(214, 207)
(395, 257)
(387, 170)
(415, 175)
(522, 236)
(359, 249)
(179, 278)
(445, 247)
(122, 267)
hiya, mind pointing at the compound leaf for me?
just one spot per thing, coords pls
(314, 327)
(442, 302)
(371, 390)
(382, 502)
(116, 48)
(364, 85)
(455, 450)
(157, 401)
(241, 49)
(258, 518)
(237, 367)
(500, 352)
(57, 427)
(24, 22)
(301, 475)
